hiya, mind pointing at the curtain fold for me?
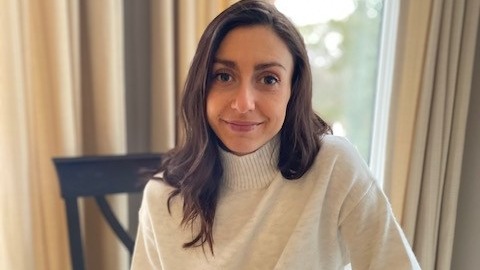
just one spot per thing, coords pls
(14, 174)
(428, 122)
(163, 97)
(103, 118)
(411, 46)
(36, 65)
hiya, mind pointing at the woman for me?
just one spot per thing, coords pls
(259, 183)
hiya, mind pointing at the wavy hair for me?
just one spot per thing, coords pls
(194, 168)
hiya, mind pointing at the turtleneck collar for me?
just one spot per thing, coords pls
(252, 171)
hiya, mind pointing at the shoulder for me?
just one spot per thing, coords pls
(340, 167)
(338, 162)
(342, 154)
(156, 186)
(337, 145)
(156, 195)
(159, 215)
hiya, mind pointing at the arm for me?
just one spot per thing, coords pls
(145, 254)
(373, 238)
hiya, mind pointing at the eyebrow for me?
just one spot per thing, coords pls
(232, 64)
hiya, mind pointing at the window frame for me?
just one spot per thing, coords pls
(383, 94)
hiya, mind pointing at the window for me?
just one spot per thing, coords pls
(349, 43)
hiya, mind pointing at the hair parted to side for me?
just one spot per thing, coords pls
(194, 168)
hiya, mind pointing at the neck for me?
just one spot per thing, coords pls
(252, 171)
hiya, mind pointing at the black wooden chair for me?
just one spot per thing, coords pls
(98, 176)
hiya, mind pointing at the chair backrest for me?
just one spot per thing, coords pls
(97, 176)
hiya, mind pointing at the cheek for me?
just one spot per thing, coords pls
(284, 103)
(282, 115)
(278, 110)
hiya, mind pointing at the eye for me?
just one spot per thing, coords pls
(270, 80)
(223, 77)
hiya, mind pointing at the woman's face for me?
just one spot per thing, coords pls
(250, 88)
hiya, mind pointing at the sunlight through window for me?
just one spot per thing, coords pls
(343, 42)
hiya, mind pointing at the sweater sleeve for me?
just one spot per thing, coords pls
(145, 256)
(373, 238)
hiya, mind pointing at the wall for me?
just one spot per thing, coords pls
(466, 253)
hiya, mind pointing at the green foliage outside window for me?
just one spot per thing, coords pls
(344, 56)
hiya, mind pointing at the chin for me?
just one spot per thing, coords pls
(241, 151)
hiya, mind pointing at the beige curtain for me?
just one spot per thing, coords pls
(429, 113)
(62, 93)
(103, 115)
(35, 86)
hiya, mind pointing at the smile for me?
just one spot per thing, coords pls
(242, 126)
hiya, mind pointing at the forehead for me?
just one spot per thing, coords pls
(254, 44)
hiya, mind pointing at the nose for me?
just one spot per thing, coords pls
(244, 99)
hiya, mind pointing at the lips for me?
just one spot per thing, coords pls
(242, 126)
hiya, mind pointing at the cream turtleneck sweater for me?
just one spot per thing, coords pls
(335, 214)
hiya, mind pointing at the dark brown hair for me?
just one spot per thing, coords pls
(194, 168)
